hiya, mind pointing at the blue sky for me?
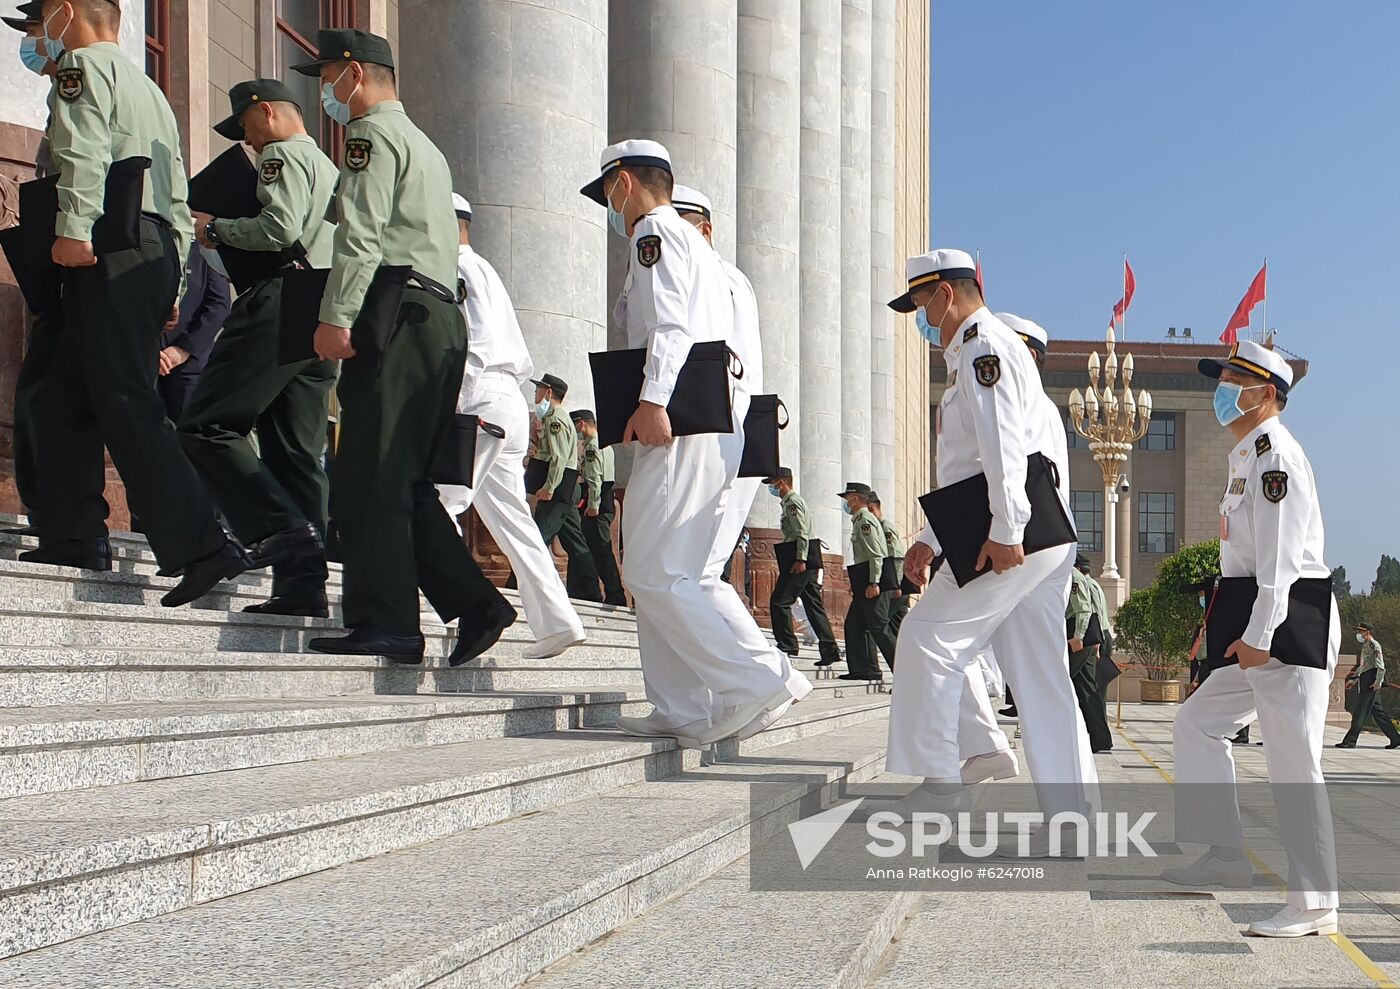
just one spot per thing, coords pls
(1200, 137)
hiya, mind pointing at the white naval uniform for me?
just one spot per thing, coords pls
(498, 365)
(693, 662)
(1276, 543)
(991, 430)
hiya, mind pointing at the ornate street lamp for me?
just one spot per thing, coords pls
(1111, 423)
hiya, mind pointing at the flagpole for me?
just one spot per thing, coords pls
(1265, 302)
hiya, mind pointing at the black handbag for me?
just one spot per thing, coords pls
(961, 517)
(374, 328)
(455, 459)
(227, 188)
(761, 427)
(786, 555)
(702, 401)
(1303, 638)
(29, 246)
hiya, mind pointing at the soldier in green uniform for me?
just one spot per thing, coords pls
(114, 305)
(1083, 666)
(1370, 675)
(556, 507)
(599, 509)
(897, 601)
(869, 611)
(800, 580)
(395, 208)
(275, 498)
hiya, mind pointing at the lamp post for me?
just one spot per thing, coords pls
(1111, 423)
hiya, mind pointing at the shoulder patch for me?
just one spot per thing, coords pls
(970, 333)
(1237, 486)
(1275, 485)
(794, 509)
(591, 453)
(271, 170)
(648, 250)
(555, 425)
(1262, 445)
(865, 527)
(988, 368)
(357, 153)
(69, 83)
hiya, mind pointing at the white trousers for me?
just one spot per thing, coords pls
(1290, 703)
(693, 661)
(1020, 614)
(991, 673)
(499, 498)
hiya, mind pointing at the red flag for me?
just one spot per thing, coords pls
(1252, 298)
(1120, 309)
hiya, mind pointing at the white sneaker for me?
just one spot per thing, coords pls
(1211, 871)
(1292, 922)
(556, 644)
(652, 726)
(1001, 765)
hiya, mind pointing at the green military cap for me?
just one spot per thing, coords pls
(554, 383)
(582, 415)
(30, 13)
(856, 488)
(347, 45)
(1364, 627)
(244, 95)
(782, 474)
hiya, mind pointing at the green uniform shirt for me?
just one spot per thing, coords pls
(1100, 602)
(558, 446)
(597, 470)
(295, 184)
(1372, 658)
(796, 524)
(894, 542)
(105, 109)
(395, 208)
(1081, 604)
(868, 542)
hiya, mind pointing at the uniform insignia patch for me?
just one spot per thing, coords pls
(591, 454)
(792, 509)
(1262, 445)
(1275, 485)
(271, 171)
(865, 527)
(1237, 486)
(970, 333)
(649, 250)
(988, 368)
(357, 153)
(556, 426)
(70, 84)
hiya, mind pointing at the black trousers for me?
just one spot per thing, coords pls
(245, 387)
(868, 616)
(103, 393)
(395, 536)
(789, 588)
(597, 533)
(1092, 705)
(1368, 705)
(560, 519)
(39, 360)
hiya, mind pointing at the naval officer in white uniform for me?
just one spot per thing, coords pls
(1270, 530)
(498, 367)
(704, 685)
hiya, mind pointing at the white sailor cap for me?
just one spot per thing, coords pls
(462, 208)
(635, 152)
(1256, 359)
(688, 200)
(935, 266)
(1033, 333)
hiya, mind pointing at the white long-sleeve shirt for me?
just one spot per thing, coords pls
(1271, 524)
(494, 340)
(745, 341)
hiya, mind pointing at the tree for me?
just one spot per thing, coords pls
(1157, 623)
(1340, 585)
(1387, 577)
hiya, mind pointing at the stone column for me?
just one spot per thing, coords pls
(769, 185)
(882, 254)
(819, 473)
(515, 95)
(855, 239)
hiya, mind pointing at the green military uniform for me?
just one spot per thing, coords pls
(599, 476)
(283, 485)
(108, 326)
(867, 615)
(796, 525)
(395, 208)
(1083, 666)
(558, 517)
(1370, 671)
(894, 554)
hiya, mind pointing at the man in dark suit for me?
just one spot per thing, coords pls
(185, 347)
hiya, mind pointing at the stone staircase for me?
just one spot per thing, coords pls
(189, 799)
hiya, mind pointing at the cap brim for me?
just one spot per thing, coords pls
(594, 190)
(1210, 367)
(904, 304)
(231, 127)
(312, 68)
(19, 23)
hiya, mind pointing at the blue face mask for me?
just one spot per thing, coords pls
(30, 55)
(846, 507)
(542, 409)
(925, 330)
(54, 46)
(336, 110)
(1227, 401)
(773, 490)
(616, 218)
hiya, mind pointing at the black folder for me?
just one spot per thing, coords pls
(1093, 633)
(889, 574)
(300, 312)
(701, 403)
(761, 426)
(786, 555)
(1106, 671)
(537, 472)
(859, 575)
(455, 460)
(961, 517)
(227, 188)
(1302, 639)
(607, 500)
(908, 587)
(29, 246)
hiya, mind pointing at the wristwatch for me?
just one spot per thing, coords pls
(211, 234)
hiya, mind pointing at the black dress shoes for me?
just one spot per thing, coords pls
(299, 540)
(1345, 745)
(295, 607)
(860, 676)
(201, 576)
(473, 639)
(404, 649)
(85, 554)
(826, 662)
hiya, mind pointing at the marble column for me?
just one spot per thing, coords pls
(856, 345)
(768, 223)
(882, 253)
(819, 472)
(515, 95)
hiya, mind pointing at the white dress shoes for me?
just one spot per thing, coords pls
(556, 644)
(1292, 922)
(1000, 765)
(1211, 871)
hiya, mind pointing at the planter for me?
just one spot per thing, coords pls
(1163, 691)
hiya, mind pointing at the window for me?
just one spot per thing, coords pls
(1088, 519)
(1075, 441)
(1161, 433)
(297, 24)
(158, 42)
(1157, 522)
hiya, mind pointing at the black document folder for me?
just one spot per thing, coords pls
(701, 403)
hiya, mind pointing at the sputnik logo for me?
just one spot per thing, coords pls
(812, 835)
